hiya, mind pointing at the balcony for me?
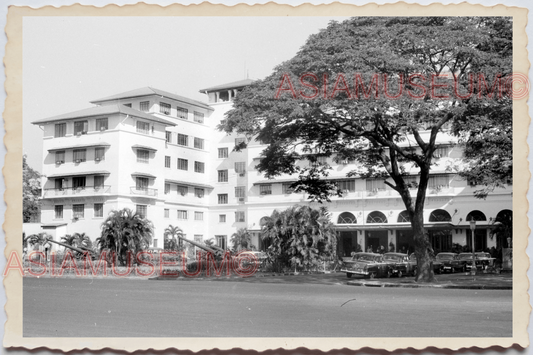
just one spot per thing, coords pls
(77, 191)
(144, 191)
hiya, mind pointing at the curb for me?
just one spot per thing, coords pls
(438, 286)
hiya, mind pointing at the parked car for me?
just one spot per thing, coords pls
(398, 264)
(413, 265)
(484, 260)
(451, 262)
(467, 258)
(367, 264)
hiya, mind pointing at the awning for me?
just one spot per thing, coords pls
(189, 183)
(143, 175)
(53, 225)
(77, 146)
(138, 146)
(83, 173)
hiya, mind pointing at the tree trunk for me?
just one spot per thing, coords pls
(423, 250)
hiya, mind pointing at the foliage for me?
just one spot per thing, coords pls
(242, 239)
(124, 231)
(209, 242)
(31, 193)
(171, 235)
(503, 226)
(300, 236)
(39, 240)
(389, 137)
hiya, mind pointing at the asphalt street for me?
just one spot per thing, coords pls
(204, 308)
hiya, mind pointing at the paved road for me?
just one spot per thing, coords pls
(128, 308)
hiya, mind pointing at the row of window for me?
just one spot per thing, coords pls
(181, 112)
(78, 211)
(183, 139)
(224, 152)
(240, 216)
(183, 215)
(80, 155)
(184, 190)
(80, 127)
(183, 164)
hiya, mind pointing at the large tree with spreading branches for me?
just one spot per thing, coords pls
(379, 91)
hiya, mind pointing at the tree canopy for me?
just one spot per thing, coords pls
(378, 91)
(31, 193)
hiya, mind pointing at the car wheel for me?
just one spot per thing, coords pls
(349, 275)
(400, 273)
(372, 275)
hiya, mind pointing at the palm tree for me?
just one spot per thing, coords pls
(39, 241)
(124, 231)
(68, 239)
(209, 242)
(82, 241)
(242, 239)
(173, 233)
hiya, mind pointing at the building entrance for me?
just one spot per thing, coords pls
(375, 239)
(348, 242)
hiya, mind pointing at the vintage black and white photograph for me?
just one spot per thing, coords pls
(269, 176)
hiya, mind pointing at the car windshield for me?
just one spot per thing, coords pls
(445, 257)
(392, 258)
(465, 257)
(368, 257)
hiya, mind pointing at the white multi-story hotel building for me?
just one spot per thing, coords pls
(161, 155)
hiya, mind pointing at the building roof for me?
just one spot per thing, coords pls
(149, 91)
(233, 85)
(102, 111)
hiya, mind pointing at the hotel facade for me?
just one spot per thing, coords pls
(161, 155)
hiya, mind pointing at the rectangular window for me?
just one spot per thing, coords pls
(199, 167)
(265, 189)
(59, 184)
(144, 106)
(182, 112)
(141, 183)
(143, 127)
(101, 124)
(183, 164)
(99, 154)
(168, 137)
(346, 185)
(60, 157)
(183, 190)
(79, 182)
(164, 108)
(440, 152)
(198, 216)
(183, 139)
(239, 216)
(60, 130)
(199, 192)
(239, 141)
(78, 211)
(438, 181)
(167, 213)
(222, 199)
(198, 117)
(240, 167)
(411, 181)
(221, 218)
(141, 210)
(79, 155)
(98, 210)
(198, 143)
(143, 156)
(58, 211)
(240, 191)
(81, 127)
(167, 161)
(98, 182)
(222, 152)
(221, 241)
(182, 215)
(222, 176)
(287, 189)
(375, 185)
(167, 189)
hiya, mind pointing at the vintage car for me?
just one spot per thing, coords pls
(413, 265)
(398, 264)
(480, 263)
(484, 260)
(367, 264)
(450, 262)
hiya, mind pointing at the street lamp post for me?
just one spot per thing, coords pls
(473, 229)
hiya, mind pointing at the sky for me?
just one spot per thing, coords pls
(69, 61)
